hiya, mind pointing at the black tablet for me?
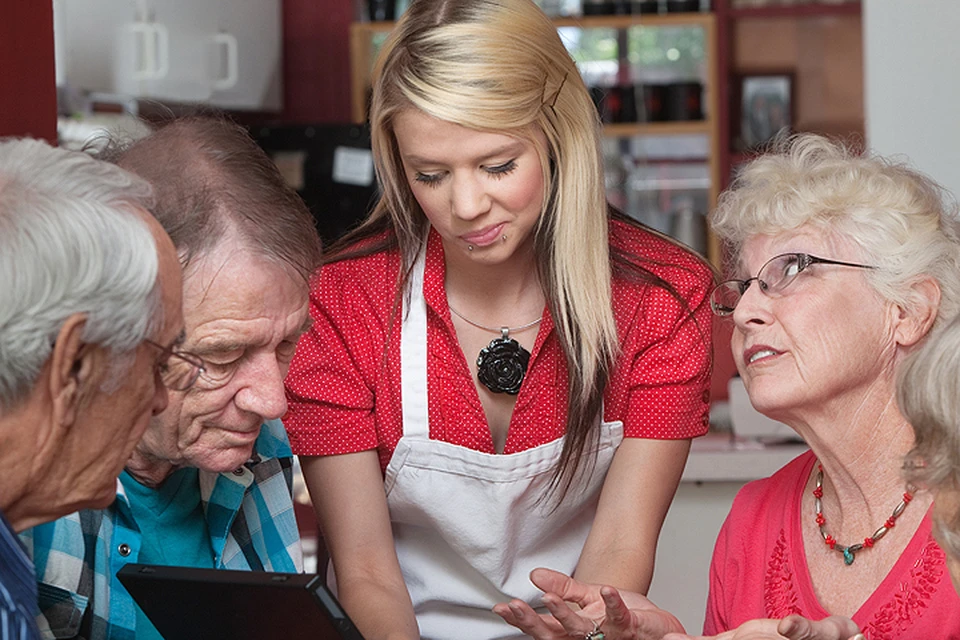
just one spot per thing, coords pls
(186, 603)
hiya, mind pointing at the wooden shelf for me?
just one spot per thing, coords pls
(797, 10)
(641, 20)
(627, 129)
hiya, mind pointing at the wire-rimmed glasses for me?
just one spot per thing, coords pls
(774, 276)
(178, 370)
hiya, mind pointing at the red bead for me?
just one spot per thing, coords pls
(818, 492)
(830, 541)
(821, 520)
(868, 542)
(907, 497)
(890, 522)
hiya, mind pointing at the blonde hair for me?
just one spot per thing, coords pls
(904, 222)
(499, 65)
(928, 393)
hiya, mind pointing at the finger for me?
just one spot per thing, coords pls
(797, 627)
(568, 588)
(522, 616)
(618, 615)
(623, 620)
(573, 623)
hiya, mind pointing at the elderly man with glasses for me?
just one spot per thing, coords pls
(90, 327)
(209, 484)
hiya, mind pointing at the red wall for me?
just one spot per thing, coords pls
(28, 94)
(316, 61)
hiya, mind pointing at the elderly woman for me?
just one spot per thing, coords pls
(929, 397)
(842, 265)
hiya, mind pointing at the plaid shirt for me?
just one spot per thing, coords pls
(18, 591)
(249, 513)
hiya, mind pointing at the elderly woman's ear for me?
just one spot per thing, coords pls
(918, 315)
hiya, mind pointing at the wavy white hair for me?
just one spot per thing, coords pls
(70, 242)
(928, 394)
(903, 221)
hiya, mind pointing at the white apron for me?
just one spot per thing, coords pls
(467, 525)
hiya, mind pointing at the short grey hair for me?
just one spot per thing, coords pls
(212, 180)
(928, 393)
(902, 221)
(70, 242)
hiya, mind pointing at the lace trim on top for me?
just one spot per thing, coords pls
(891, 621)
(780, 592)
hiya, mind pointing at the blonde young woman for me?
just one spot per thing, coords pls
(503, 373)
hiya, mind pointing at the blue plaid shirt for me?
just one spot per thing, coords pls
(18, 591)
(249, 513)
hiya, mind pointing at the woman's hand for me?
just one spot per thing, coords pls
(790, 628)
(620, 615)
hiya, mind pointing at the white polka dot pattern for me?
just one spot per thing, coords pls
(344, 384)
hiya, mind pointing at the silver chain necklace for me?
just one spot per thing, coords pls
(499, 330)
(502, 364)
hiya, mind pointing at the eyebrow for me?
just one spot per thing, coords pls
(227, 346)
(515, 146)
(222, 346)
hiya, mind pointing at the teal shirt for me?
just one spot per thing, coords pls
(173, 528)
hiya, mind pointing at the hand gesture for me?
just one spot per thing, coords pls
(790, 628)
(618, 615)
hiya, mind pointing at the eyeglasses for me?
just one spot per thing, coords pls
(774, 276)
(178, 369)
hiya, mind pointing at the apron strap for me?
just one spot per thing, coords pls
(413, 356)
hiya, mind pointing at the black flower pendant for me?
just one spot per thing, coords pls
(502, 364)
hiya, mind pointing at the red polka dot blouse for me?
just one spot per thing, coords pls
(344, 383)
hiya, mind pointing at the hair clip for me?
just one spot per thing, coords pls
(553, 101)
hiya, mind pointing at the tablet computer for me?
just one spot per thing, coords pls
(186, 603)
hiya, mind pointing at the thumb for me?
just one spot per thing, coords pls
(796, 627)
(551, 581)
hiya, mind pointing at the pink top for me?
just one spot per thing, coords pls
(759, 570)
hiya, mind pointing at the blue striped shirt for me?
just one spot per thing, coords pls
(18, 589)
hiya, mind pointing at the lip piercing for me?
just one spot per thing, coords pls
(504, 237)
(469, 247)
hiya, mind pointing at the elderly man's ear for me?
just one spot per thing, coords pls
(74, 371)
(917, 318)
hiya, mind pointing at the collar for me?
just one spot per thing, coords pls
(435, 292)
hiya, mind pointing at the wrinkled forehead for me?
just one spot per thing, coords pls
(817, 240)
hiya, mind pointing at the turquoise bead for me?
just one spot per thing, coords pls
(848, 556)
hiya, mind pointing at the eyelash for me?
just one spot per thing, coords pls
(497, 172)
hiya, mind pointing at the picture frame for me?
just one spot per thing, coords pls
(764, 105)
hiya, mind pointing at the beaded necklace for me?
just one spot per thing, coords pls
(849, 551)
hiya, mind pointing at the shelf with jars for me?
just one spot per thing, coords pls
(654, 80)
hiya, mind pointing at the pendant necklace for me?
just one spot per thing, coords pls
(502, 364)
(848, 551)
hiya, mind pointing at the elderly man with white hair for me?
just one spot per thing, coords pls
(90, 324)
(209, 484)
